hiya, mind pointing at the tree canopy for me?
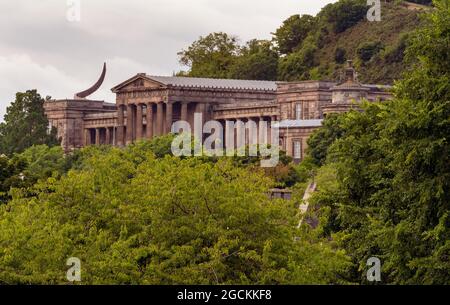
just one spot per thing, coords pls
(132, 218)
(391, 162)
(25, 124)
(219, 55)
(293, 31)
(308, 47)
(210, 56)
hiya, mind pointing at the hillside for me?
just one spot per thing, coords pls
(384, 43)
(314, 47)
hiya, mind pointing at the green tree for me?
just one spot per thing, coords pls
(344, 14)
(392, 168)
(10, 175)
(23, 170)
(428, 51)
(367, 50)
(42, 162)
(210, 56)
(134, 219)
(297, 65)
(25, 124)
(340, 55)
(257, 60)
(324, 137)
(294, 30)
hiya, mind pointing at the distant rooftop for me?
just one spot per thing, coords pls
(215, 83)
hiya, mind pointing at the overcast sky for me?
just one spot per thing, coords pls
(41, 49)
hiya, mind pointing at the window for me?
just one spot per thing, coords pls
(297, 149)
(298, 111)
(49, 127)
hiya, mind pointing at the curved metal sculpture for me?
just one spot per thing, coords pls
(87, 92)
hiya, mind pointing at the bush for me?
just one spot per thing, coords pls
(296, 66)
(292, 33)
(367, 50)
(340, 55)
(160, 221)
(344, 14)
(395, 53)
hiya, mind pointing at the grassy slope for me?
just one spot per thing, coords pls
(396, 21)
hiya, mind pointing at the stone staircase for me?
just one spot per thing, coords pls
(304, 206)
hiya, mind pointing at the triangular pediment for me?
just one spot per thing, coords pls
(139, 81)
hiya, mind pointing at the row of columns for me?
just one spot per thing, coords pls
(100, 135)
(260, 135)
(125, 134)
(134, 128)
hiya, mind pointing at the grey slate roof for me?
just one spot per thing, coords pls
(299, 123)
(215, 83)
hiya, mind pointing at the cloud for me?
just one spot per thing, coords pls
(21, 73)
(40, 48)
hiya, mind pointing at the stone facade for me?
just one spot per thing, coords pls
(146, 106)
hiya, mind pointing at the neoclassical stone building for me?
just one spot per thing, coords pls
(146, 106)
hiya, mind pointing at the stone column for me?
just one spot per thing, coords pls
(108, 136)
(114, 136)
(273, 118)
(149, 130)
(169, 117)
(184, 111)
(87, 137)
(129, 138)
(240, 133)
(97, 136)
(139, 122)
(120, 125)
(262, 130)
(159, 118)
(229, 133)
(200, 108)
(252, 132)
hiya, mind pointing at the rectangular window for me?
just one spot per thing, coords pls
(298, 111)
(297, 149)
(49, 127)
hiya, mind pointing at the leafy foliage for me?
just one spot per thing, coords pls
(308, 47)
(134, 219)
(10, 175)
(344, 14)
(210, 56)
(322, 138)
(257, 60)
(340, 55)
(220, 56)
(25, 124)
(293, 32)
(367, 50)
(297, 65)
(391, 193)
